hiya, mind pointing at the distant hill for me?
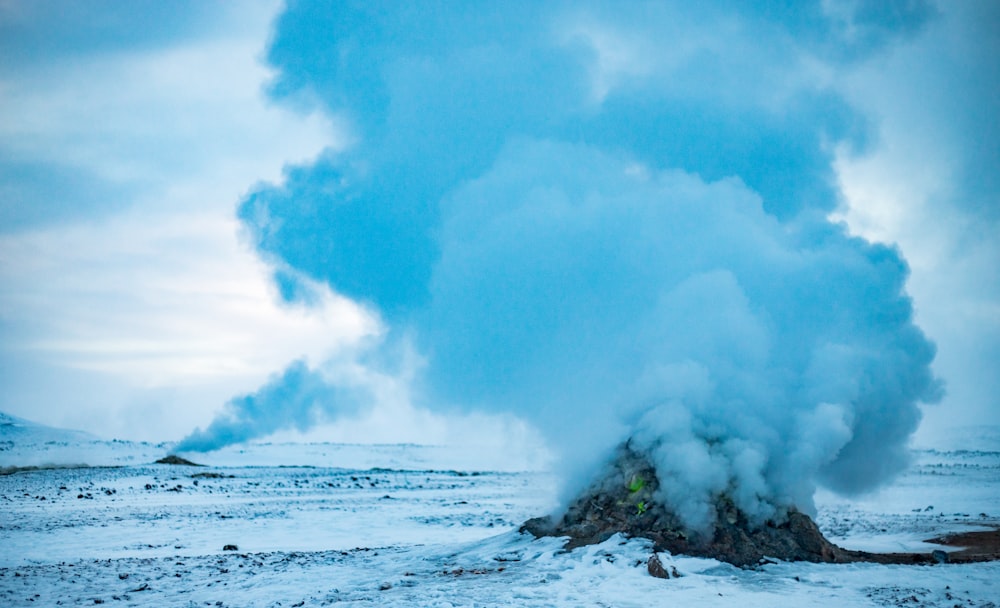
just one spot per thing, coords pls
(21, 431)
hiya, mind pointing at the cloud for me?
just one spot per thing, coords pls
(88, 134)
(129, 304)
(161, 301)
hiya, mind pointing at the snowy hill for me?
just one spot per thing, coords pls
(24, 443)
(23, 431)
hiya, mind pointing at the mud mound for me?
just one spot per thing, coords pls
(177, 460)
(623, 501)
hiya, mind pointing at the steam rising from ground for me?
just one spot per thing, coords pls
(753, 357)
(605, 245)
(294, 400)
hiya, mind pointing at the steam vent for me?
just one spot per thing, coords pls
(624, 500)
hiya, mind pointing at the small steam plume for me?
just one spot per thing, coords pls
(296, 399)
(611, 222)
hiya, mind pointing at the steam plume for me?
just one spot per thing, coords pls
(296, 399)
(611, 222)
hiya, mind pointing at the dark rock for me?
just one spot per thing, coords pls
(655, 567)
(177, 460)
(230, 548)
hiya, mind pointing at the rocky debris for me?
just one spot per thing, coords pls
(624, 500)
(10, 470)
(177, 460)
(656, 568)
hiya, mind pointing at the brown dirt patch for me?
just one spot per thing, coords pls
(978, 546)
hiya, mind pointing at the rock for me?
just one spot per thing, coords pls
(230, 548)
(655, 567)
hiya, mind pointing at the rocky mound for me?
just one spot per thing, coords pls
(623, 500)
(177, 460)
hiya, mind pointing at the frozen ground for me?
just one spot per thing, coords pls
(406, 525)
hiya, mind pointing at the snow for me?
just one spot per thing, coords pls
(410, 525)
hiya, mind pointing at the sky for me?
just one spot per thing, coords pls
(499, 224)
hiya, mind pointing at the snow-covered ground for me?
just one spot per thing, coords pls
(407, 525)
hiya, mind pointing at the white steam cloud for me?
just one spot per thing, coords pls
(753, 358)
(653, 264)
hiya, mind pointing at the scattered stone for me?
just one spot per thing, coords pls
(230, 548)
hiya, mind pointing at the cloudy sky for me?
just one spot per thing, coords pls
(424, 216)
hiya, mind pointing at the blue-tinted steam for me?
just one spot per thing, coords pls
(612, 222)
(296, 399)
